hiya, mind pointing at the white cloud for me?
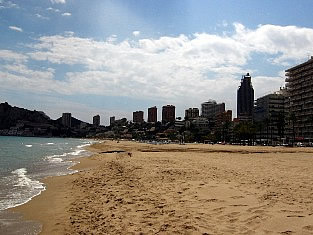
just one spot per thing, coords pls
(58, 1)
(66, 14)
(16, 28)
(283, 42)
(41, 17)
(52, 9)
(136, 33)
(183, 70)
(260, 84)
(12, 56)
(8, 4)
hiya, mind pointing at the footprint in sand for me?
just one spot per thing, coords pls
(287, 232)
(237, 197)
(308, 227)
(298, 216)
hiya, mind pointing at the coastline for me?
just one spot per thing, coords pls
(49, 207)
(179, 189)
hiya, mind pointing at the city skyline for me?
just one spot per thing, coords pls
(113, 57)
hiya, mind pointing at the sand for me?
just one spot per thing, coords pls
(180, 189)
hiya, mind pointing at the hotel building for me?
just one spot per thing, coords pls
(299, 85)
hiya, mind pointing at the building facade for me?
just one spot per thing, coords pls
(269, 117)
(299, 85)
(245, 99)
(96, 120)
(191, 113)
(138, 116)
(67, 119)
(202, 124)
(153, 114)
(210, 109)
(223, 118)
(168, 113)
(112, 120)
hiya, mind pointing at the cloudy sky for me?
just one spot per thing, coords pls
(113, 57)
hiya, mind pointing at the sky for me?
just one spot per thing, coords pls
(113, 57)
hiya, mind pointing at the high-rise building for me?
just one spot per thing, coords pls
(299, 84)
(245, 99)
(138, 116)
(96, 120)
(191, 113)
(223, 124)
(269, 116)
(210, 109)
(168, 113)
(67, 119)
(153, 114)
(112, 120)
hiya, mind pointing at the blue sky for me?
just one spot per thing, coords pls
(116, 57)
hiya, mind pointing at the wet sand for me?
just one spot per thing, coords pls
(184, 189)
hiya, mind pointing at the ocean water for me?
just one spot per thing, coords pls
(25, 161)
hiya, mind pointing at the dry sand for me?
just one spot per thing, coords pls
(183, 189)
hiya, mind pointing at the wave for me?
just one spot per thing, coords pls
(57, 158)
(23, 189)
(24, 181)
(84, 145)
(54, 159)
(79, 149)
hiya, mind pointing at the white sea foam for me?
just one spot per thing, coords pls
(83, 145)
(79, 149)
(21, 185)
(24, 181)
(23, 190)
(77, 152)
(56, 158)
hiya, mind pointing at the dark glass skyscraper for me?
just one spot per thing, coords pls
(245, 99)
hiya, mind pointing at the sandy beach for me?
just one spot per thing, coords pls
(182, 189)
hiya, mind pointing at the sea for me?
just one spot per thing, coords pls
(24, 163)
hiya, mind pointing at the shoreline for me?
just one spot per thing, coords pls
(18, 219)
(179, 188)
(51, 201)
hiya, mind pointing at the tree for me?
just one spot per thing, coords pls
(245, 131)
(259, 127)
(225, 132)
